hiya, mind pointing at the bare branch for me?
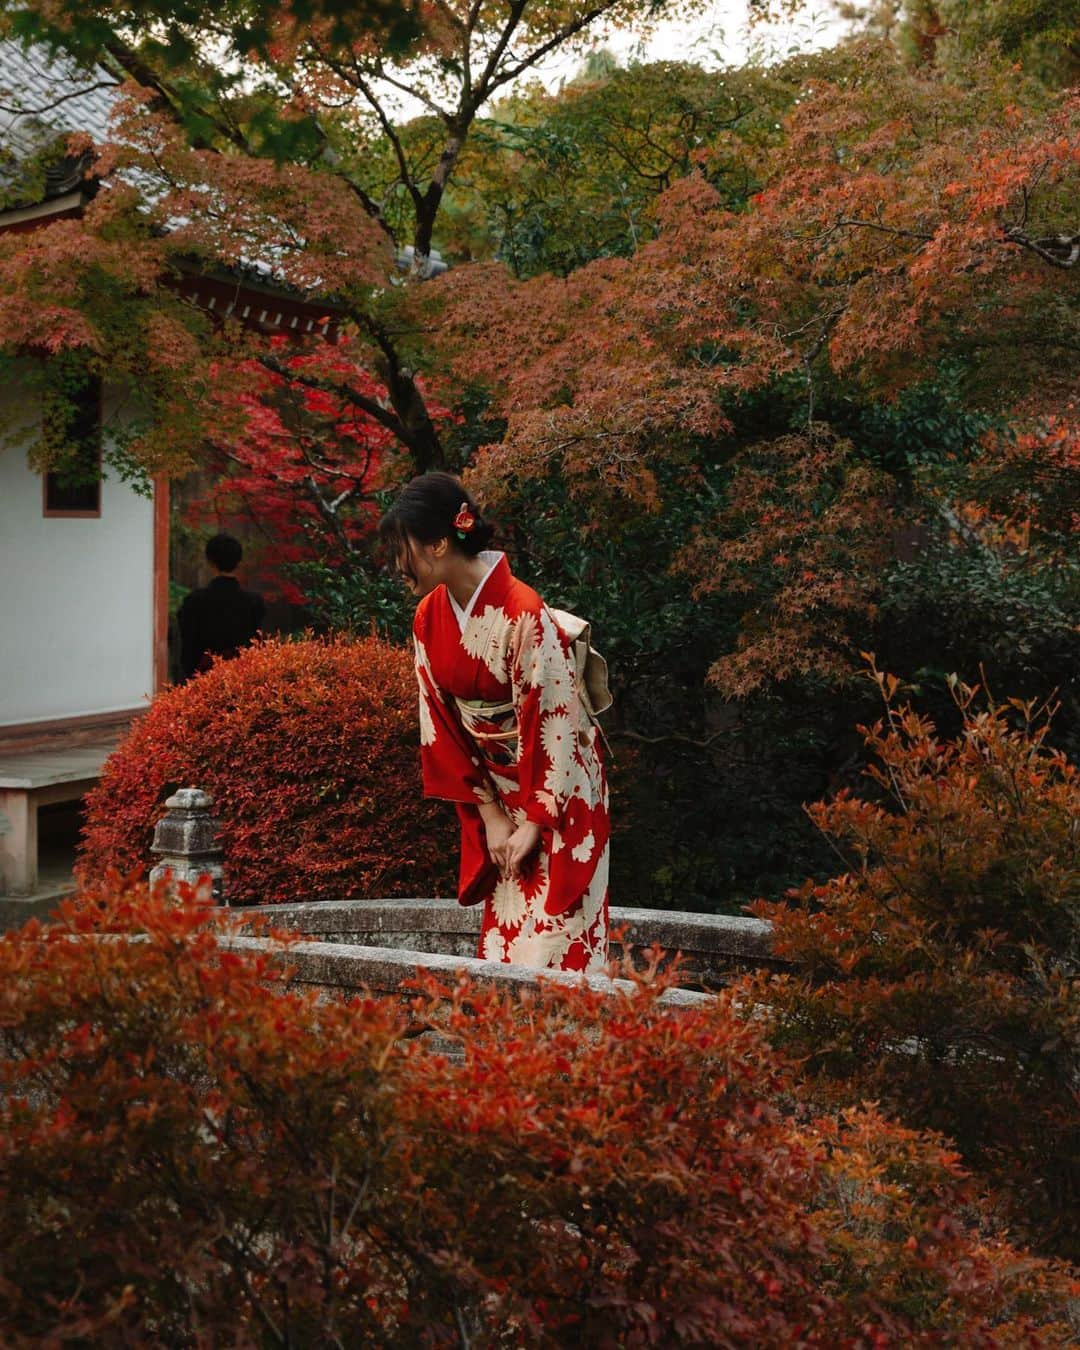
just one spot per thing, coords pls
(1059, 250)
(329, 516)
(353, 74)
(538, 53)
(666, 740)
(473, 15)
(389, 130)
(843, 222)
(56, 102)
(375, 410)
(487, 82)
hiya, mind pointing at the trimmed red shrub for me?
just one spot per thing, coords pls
(940, 973)
(191, 1157)
(310, 751)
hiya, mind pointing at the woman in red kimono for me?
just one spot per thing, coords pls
(503, 735)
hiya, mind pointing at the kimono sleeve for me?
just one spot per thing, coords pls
(451, 765)
(549, 717)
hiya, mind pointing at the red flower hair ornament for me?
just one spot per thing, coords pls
(464, 521)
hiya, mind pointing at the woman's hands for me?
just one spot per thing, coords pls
(498, 827)
(517, 848)
(508, 845)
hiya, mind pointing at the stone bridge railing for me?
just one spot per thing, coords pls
(378, 945)
(347, 968)
(397, 934)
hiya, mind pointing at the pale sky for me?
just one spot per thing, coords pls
(719, 35)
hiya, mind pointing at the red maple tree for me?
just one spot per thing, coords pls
(295, 451)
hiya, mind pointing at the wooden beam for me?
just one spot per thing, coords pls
(161, 583)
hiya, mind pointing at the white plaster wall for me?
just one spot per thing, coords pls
(76, 597)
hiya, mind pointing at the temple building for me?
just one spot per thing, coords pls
(83, 562)
(84, 559)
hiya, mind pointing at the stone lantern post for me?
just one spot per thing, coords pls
(185, 840)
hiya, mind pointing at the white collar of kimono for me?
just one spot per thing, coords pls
(492, 557)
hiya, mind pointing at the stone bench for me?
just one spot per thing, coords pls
(30, 779)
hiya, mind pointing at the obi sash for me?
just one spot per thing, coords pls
(493, 726)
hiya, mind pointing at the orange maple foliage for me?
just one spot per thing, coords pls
(802, 537)
(901, 217)
(1031, 478)
(189, 1152)
(904, 216)
(938, 972)
(304, 229)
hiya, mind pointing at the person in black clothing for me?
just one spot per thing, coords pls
(219, 619)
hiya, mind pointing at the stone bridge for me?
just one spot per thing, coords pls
(380, 945)
(350, 945)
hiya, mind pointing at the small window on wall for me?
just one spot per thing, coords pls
(72, 432)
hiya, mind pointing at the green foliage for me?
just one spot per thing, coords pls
(23, 178)
(553, 181)
(177, 592)
(1011, 616)
(1043, 35)
(928, 423)
(356, 597)
(710, 792)
(707, 796)
(175, 32)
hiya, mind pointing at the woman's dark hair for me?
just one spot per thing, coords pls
(426, 509)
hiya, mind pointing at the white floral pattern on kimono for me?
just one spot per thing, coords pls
(500, 720)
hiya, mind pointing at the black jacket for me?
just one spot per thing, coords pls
(217, 620)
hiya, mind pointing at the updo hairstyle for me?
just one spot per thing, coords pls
(425, 510)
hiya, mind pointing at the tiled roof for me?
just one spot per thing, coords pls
(43, 97)
(40, 98)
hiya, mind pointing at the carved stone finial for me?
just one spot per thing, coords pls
(185, 840)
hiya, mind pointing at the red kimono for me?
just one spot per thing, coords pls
(500, 719)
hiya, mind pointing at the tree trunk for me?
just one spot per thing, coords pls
(428, 208)
(426, 448)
